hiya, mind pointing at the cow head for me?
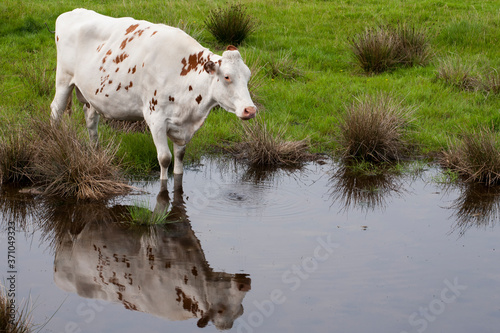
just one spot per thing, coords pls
(230, 84)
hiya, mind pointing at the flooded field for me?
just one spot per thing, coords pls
(311, 250)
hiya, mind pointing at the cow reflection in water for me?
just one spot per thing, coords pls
(162, 271)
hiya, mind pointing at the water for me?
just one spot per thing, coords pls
(312, 250)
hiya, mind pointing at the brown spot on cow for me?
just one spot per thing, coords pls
(192, 63)
(171, 99)
(57, 38)
(87, 105)
(190, 88)
(139, 32)
(117, 69)
(153, 34)
(124, 43)
(120, 58)
(133, 69)
(129, 86)
(106, 95)
(97, 91)
(152, 105)
(155, 93)
(110, 81)
(131, 28)
(198, 99)
(119, 86)
(100, 47)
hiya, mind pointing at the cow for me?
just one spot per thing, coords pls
(128, 69)
(162, 270)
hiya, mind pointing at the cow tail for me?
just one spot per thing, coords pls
(49, 28)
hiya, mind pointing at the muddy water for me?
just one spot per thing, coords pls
(313, 250)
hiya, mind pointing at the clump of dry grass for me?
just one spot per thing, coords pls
(16, 154)
(476, 157)
(466, 76)
(60, 162)
(373, 129)
(261, 146)
(230, 25)
(68, 166)
(127, 126)
(13, 319)
(459, 74)
(385, 48)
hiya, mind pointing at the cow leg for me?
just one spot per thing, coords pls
(91, 117)
(159, 133)
(179, 158)
(92, 120)
(58, 105)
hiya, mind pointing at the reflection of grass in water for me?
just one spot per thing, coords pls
(365, 185)
(477, 205)
(17, 322)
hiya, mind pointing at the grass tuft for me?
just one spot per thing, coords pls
(139, 214)
(16, 154)
(230, 25)
(476, 157)
(60, 162)
(13, 320)
(263, 147)
(372, 129)
(68, 166)
(386, 48)
(459, 74)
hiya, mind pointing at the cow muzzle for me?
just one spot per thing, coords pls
(248, 113)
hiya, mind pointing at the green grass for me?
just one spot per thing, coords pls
(313, 35)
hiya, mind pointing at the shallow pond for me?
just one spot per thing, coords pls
(314, 250)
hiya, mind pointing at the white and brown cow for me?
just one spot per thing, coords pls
(127, 69)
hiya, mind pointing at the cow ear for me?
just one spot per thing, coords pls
(231, 48)
(210, 67)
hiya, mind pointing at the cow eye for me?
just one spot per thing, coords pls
(227, 78)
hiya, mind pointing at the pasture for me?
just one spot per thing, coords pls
(304, 72)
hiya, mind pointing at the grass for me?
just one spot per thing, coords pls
(373, 129)
(61, 163)
(141, 215)
(388, 47)
(16, 320)
(310, 105)
(264, 146)
(230, 25)
(476, 157)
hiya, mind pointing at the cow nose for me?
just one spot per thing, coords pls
(249, 112)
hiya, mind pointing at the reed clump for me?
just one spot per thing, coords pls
(476, 156)
(373, 129)
(388, 47)
(60, 162)
(231, 25)
(261, 146)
